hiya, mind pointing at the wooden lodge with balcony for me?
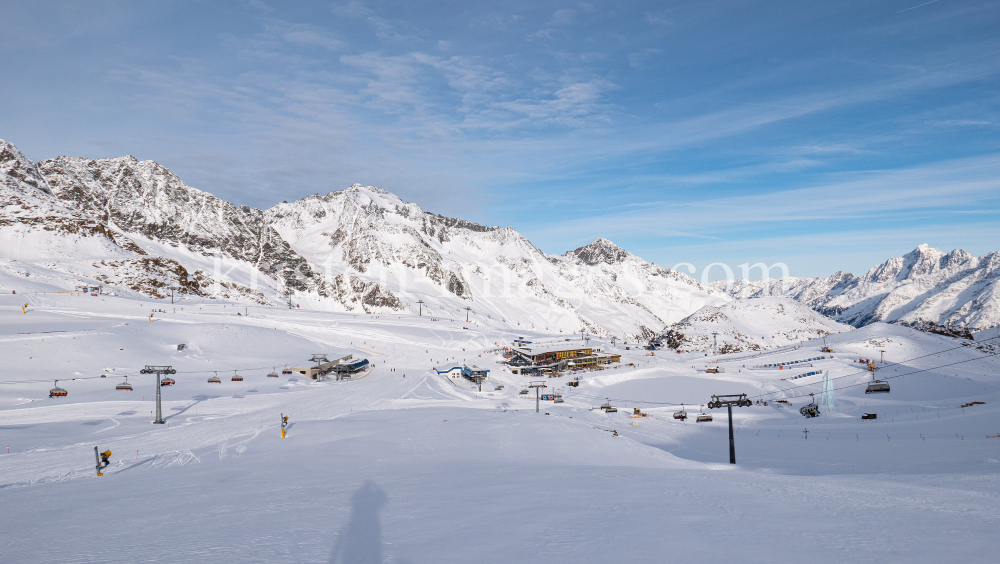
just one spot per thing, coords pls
(530, 358)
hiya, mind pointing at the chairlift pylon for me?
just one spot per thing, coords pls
(57, 392)
(124, 386)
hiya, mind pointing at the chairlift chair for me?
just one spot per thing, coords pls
(237, 377)
(608, 408)
(167, 382)
(57, 392)
(703, 416)
(272, 374)
(877, 386)
(523, 392)
(682, 415)
(811, 410)
(557, 398)
(215, 379)
(124, 386)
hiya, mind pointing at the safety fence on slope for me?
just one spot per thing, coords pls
(783, 365)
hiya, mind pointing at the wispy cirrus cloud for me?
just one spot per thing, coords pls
(681, 111)
(960, 185)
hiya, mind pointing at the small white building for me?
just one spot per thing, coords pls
(453, 372)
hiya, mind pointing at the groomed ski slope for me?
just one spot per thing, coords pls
(421, 468)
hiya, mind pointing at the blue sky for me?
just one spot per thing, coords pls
(829, 136)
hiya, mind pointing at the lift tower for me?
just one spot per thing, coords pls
(320, 360)
(536, 386)
(158, 370)
(739, 400)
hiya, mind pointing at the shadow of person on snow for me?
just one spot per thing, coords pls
(361, 541)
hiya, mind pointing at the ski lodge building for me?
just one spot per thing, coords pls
(530, 358)
(343, 365)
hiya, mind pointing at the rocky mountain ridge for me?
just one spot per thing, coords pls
(135, 224)
(924, 288)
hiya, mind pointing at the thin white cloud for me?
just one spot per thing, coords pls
(915, 7)
(659, 18)
(301, 34)
(965, 183)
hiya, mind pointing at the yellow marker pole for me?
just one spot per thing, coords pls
(282, 433)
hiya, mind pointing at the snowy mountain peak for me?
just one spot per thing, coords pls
(601, 251)
(15, 165)
(925, 287)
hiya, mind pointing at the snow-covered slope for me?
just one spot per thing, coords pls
(751, 324)
(924, 286)
(404, 465)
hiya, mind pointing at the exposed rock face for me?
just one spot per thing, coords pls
(601, 251)
(144, 198)
(38, 226)
(28, 203)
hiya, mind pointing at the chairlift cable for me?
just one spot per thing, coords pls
(887, 366)
(890, 377)
(577, 394)
(118, 375)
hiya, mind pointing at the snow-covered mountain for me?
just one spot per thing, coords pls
(136, 226)
(148, 202)
(749, 325)
(450, 264)
(924, 288)
(47, 245)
